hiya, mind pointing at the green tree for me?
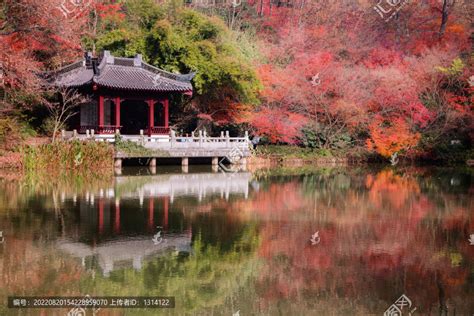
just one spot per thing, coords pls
(179, 39)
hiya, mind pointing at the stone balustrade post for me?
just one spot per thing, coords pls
(184, 161)
(173, 137)
(118, 163)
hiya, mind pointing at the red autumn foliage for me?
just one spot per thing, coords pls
(112, 12)
(278, 126)
(323, 57)
(35, 35)
(335, 67)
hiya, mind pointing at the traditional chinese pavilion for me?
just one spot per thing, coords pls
(127, 94)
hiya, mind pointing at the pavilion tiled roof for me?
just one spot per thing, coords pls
(121, 73)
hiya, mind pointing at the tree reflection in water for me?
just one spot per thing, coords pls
(243, 243)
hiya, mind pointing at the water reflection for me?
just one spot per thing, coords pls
(299, 242)
(119, 254)
(197, 185)
(113, 234)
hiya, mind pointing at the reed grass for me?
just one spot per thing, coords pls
(73, 155)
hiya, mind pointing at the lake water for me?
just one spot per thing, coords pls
(329, 241)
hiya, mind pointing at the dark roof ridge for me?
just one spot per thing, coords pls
(167, 74)
(144, 65)
(121, 72)
(102, 63)
(69, 67)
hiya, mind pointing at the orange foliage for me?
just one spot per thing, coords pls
(389, 137)
(396, 188)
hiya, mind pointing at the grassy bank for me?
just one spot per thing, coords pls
(446, 156)
(75, 155)
(287, 152)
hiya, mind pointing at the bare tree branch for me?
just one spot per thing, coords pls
(62, 107)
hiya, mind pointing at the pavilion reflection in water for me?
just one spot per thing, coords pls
(123, 218)
(127, 252)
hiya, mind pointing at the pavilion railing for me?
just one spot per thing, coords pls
(160, 130)
(105, 129)
(201, 141)
(111, 129)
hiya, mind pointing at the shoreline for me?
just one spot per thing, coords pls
(254, 164)
(13, 162)
(266, 157)
(274, 161)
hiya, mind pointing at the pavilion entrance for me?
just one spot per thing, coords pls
(133, 117)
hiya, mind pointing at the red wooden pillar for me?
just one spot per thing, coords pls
(166, 111)
(151, 213)
(100, 114)
(165, 211)
(117, 112)
(117, 216)
(101, 215)
(151, 116)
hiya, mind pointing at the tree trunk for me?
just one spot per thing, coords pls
(443, 308)
(444, 18)
(55, 129)
(233, 18)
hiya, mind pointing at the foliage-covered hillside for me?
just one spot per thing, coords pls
(341, 75)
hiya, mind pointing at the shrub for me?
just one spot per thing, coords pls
(10, 133)
(317, 137)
